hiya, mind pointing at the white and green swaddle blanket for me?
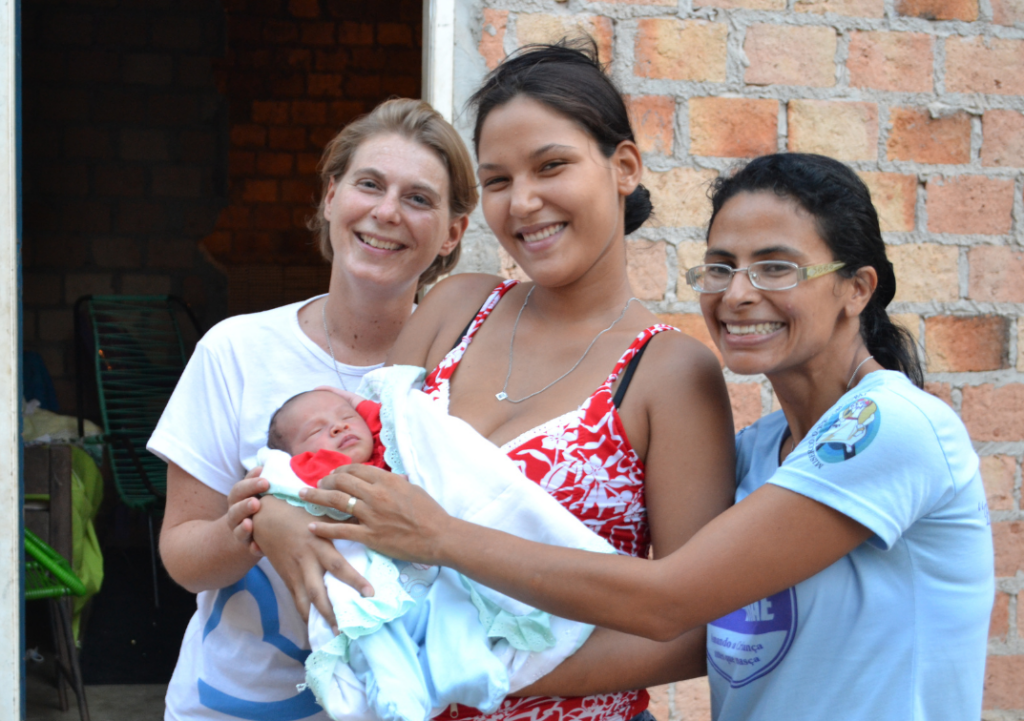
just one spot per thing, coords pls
(431, 637)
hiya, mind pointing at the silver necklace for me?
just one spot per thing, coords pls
(849, 382)
(327, 334)
(503, 396)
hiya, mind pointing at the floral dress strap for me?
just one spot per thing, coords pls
(446, 368)
(635, 347)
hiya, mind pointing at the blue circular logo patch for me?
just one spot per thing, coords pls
(848, 432)
(751, 641)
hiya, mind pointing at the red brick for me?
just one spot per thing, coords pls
(733, 127)
(403, 87)
(288, 138)
(694, 326)
(317, 34)
(942, 391)
(241, 162)
(75, 285)
(275, 163)
(304, 8)
(307, 112)
(352, 33)
(288, 85)
(994, 414)
(260, 191)
(543, 28)
(854, 8)
(984, 64)
(894, 197)
(235, 217)
(120, 180)
(746, 403)
(394, 34)
(891, 61)
(492, 39)
(659, 705)
(977, 343)
(1008, 12)
(843, 130)
(970, 204)
(332, 61)
(306, 163)
(999, 624)
(273, 217)
(279, 31)
(90, 216)
(295, 190)
(790, 55)
(1008, 539)
(251, 136)
(270, 112)
(653, 120)
(362, 86)
(1002, 138)
(998, 473)
(939, 9)
(668, 3)
(919, 137)
(648, 274)
(745, 4)
(996, 274)
(300, 217)
(680, 195)
(680, 49)
(319, 137)
(140, 217)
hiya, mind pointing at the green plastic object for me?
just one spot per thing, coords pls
(138, 354)
(47, 573)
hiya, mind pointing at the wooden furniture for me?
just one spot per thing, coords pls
(48, 515)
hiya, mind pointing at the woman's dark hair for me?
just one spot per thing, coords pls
(847, 222)
(567, 77)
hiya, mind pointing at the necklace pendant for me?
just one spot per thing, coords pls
(501, 395)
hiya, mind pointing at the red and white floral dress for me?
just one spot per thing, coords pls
(585, 461)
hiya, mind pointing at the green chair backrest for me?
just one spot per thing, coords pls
(138, 356)
(47, 573)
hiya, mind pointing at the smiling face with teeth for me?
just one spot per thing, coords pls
(776, 331)
(553, 200)
(389, 213)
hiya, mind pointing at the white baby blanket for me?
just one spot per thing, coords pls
(472, 479)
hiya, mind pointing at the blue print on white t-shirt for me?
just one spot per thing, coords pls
(300, 706)
(750, 642)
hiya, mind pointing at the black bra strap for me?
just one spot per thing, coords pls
(627, 375)
(463, 333)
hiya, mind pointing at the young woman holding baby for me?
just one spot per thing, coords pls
(852, 578)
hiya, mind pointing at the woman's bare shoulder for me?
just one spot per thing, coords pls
(682, 355)
(444, 312)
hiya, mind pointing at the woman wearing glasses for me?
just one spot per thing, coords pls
(853, 578)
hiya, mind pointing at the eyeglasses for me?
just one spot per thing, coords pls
(763, 275)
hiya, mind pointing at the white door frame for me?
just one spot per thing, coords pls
(439, 55)
(11, 598)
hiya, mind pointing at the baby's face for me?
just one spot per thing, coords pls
(322, 420)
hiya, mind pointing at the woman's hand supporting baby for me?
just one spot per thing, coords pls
(395, 517)
(301, 559)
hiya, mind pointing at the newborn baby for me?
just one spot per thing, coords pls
(428, 637)
(322, 430)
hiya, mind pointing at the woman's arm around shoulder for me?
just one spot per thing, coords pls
(444, 312)
(679, 404)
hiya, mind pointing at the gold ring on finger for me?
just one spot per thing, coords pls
(350, 506)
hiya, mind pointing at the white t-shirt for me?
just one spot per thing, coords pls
(243, 651)
(897, 629)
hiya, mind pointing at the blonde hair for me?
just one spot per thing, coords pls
(417, 121)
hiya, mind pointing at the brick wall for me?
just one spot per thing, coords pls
(925, 98)
(123, 160)
(294, 73)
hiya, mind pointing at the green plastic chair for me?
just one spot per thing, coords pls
(134, 347)
(48, 576)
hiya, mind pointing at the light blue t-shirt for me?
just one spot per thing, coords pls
(897, 629)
